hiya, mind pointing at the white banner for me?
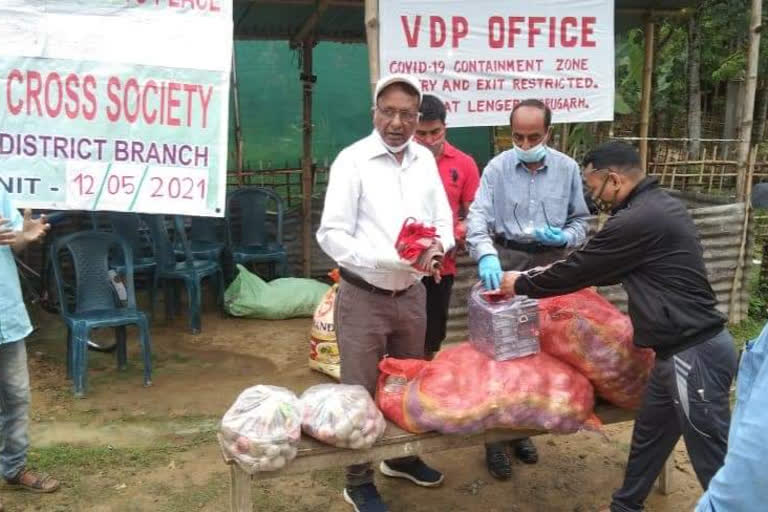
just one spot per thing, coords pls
(115, 104)
(482, 57)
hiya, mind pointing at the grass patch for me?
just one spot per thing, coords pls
(750, 328)
(267, 498)
(747, 330)
(187, 420)
(93, 475)
(82, 459)
(193, 497)
(72, 463)
(330, 478)
(216, 490)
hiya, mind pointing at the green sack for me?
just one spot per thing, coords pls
(288, 297)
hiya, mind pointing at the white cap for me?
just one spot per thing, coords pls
(398, 78)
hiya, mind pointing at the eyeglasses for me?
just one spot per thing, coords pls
(591, 190)
(595, 171)
(406, 116)
(517, 221)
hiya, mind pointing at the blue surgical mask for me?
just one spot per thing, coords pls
(531, 155)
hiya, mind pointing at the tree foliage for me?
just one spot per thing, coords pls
(724, 26)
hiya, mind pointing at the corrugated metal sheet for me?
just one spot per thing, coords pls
(720, 228)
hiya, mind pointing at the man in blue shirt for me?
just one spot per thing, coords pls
(15, 233)
(742, 483)
(528, 212)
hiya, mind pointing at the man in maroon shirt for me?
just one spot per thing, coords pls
(460, 179)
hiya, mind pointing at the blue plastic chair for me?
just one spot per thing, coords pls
(248, 238)
(131, 229)
(204, 241)
(190, 271)
(96, 302)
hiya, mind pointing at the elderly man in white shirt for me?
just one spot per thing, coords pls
(375, 185)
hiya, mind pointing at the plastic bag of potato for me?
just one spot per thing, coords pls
(341, 415)
(262, 429)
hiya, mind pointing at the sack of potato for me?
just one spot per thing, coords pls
(323, 349)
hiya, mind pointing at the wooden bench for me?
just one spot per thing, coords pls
(395, 442)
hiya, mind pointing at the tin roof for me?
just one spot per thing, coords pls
(343, 20)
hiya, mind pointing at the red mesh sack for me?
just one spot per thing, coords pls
(463, 391)
(394, 375)
(454, 393)
(586, 331)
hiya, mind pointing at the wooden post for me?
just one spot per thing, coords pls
(701, 169)
(308, 79)
(645, 105)
(305, 30)
(735, 315)
(238, 126)
(240, 494)
(664, 481)
(674, 171)
(712, 170)
(724, 167)
(564, 138)
(372, 38)
(667, 160)
(745, 133)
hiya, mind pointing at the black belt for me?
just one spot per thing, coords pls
(524, 247)
(358, 282)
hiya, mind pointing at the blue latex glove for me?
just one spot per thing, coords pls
(489, 268)
(554, 237)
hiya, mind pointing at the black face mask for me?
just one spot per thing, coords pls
(602, 205)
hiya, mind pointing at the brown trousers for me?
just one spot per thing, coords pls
(370, 326)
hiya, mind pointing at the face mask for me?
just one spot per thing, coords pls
(436, 149)
(604, 206)
(531, 155)
(393, 149)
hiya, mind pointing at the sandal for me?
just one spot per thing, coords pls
(40, 482)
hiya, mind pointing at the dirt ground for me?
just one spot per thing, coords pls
(127, 448)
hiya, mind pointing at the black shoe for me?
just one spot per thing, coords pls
(364, 498)
(526, 451)
(497, 460)
(415, 471)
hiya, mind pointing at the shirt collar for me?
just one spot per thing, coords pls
(545, 163)
(376, 148)
(645, 184)
(448, 150)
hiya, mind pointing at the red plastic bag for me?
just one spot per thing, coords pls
(419, 244)
(463, 391)
(586, 331)
(414, 238)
